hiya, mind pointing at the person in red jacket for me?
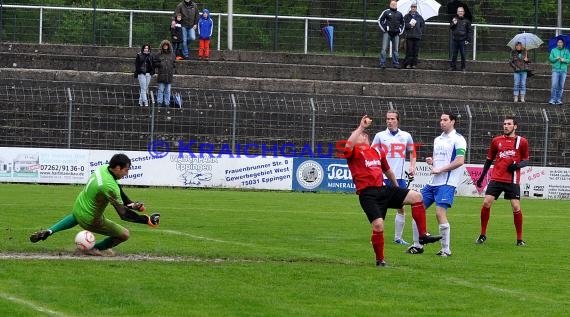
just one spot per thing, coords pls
(510, 153)
(367, 164)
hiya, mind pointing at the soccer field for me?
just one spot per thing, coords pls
(260, 253)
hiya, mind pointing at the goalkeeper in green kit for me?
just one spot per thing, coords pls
(88, 209)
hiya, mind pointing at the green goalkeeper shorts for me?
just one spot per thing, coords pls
(100, 225)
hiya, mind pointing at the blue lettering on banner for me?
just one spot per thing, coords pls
(322, 175)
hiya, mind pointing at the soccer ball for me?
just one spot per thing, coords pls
(84, 240)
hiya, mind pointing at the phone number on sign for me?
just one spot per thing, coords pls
(62, 168)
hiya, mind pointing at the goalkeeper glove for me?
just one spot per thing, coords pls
(137, 205)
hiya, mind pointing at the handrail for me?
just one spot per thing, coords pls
(266, 16)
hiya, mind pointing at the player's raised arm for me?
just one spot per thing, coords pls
(357, 135)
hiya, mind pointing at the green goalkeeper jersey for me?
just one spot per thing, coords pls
(101, 189)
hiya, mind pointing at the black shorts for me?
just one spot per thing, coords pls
(375, 201)
(512, 191)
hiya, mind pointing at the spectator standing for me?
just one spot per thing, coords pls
(176, 33)
(188, 9)
(519, 61)
(559, 58)
(461, 35)
(205, 29)
(144, 70)
(414, 25)
(165, 69)
(391, 22)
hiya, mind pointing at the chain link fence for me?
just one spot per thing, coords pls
(90, 118)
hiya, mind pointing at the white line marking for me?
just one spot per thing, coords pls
(31, 305)
(180, 233)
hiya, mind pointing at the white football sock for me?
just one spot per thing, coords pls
(445, 232)
(416, 235)
(399, 222)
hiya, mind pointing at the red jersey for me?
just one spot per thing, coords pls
(506, 150)
(366, 167)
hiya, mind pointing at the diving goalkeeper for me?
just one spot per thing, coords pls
(89, 207)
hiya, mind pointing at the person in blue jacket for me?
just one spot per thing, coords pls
(205, 28)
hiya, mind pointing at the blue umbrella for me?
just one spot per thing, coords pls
(552, 42)
(328, 33)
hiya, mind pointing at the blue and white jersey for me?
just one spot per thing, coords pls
(397, 147)
(446, 148)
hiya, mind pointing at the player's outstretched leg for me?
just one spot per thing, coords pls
(428, 238)
(67, 222)
(40, 235)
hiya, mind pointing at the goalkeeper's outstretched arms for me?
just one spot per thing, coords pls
(128, 214)
(136, 205)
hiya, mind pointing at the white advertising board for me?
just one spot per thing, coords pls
(41, 165)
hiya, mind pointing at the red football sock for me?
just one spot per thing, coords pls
(377, 239)
(518, 217)
(419, 215)
(485, 214)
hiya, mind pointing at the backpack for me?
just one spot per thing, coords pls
(177, 100)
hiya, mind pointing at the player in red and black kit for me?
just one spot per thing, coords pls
(366, 165)
(510, 152)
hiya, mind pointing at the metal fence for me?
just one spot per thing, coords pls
(89, 118)
(117, 27)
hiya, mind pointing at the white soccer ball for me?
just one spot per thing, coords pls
(84, 240)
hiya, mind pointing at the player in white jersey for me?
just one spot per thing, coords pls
(397, 144)
(448, 156)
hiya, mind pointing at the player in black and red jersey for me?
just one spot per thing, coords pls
(366, 165)
(510, 153)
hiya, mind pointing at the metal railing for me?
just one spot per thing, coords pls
(91, 118)
(222, 17)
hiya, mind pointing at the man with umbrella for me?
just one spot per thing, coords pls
(414, 28)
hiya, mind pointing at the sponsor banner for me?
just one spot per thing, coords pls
(70, 166)
(334, 175)
(43, 165)
(322, 175)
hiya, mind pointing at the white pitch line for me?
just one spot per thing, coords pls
(515, 293)
(300, 252)
(180, 233)
(518, 294)
(31, 305)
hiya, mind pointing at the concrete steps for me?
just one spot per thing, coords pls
(278, 72)
(402, 88)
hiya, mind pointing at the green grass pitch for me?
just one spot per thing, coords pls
(257, 253)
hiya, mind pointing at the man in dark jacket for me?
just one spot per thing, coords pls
(461, 34)
(190, 15)
(391, 22)
(165, 69)
(414, 29)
